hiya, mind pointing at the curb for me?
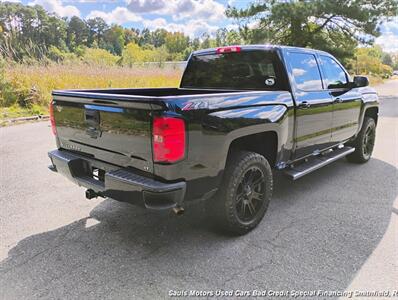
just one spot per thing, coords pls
(24, 119)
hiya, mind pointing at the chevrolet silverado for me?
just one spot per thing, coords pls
(239, 113)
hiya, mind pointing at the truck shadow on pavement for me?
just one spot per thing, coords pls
(317, 234)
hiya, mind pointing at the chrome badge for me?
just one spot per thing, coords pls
(70, 147)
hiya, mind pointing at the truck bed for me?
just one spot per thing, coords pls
(114, 125)
(144, 93)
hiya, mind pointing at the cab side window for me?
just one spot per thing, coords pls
(335, 76)
(305, 71)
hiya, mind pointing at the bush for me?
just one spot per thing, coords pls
(80, 50)
(60, 56)
(134, 54)
(55, 54)
(7, 96)
(158, 55)
(101, 57)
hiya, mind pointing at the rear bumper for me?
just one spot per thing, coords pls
(117, 183)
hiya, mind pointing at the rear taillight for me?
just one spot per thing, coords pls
(52, 120)
(228, 49)
(168, 134)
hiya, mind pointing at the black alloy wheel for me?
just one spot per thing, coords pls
(245, 192)
(250, 194)
(369, 140)
(364, 142)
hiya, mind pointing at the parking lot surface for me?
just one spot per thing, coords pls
(335, 229)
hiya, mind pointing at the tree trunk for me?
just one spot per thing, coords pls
(297, 34)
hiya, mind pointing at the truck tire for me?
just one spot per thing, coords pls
(364, 142)
(245, 193)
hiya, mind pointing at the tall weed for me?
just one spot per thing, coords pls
(29, 85)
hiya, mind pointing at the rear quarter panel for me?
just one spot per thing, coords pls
(215, 121)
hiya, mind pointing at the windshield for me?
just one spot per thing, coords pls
(247, 70)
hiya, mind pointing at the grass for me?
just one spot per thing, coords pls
(29, 87)
(16, 111)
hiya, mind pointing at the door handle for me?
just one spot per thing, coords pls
(338, 100)
(304, 104)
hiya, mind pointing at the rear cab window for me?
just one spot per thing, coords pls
(245, 70)
(305, 71)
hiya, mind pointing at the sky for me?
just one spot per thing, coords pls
(193, 17)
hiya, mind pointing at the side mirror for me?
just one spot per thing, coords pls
(361, 81)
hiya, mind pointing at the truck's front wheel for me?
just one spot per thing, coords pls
(364, 142)
(246, 191)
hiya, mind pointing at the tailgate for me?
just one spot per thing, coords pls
(117, 132)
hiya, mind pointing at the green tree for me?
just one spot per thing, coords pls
(114, 39)
(96, 29)
(159, 37)
(195, 44)
(334, 26)
(130, 36)
(394, 57)
(221, 37)
(207, 41)
(55, 33)
(176, 42)
(145, 37)
(233, 38)
(29, 31)
(77, 33)
(387, 59)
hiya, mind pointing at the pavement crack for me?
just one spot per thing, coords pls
(266, 243)
(333, 279)
(258, 267)
(30, 258)
(289, 226)
(232, 277)
(279, 232)
(273, 244)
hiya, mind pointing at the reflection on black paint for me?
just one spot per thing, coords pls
(305, 71)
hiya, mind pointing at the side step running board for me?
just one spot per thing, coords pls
(317, 162)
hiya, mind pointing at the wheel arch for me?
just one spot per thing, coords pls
(264, 143)
(372, 112)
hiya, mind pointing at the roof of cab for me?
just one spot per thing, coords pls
(260, 47)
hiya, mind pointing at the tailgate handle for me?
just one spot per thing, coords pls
(92, 118)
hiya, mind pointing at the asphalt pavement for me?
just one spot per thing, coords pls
(333, 230)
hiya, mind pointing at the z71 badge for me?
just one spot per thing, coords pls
(193, 105)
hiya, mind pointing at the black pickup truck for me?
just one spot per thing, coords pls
(240, 111)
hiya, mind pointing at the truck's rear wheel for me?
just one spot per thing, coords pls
(364, 142)
(246, 191)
